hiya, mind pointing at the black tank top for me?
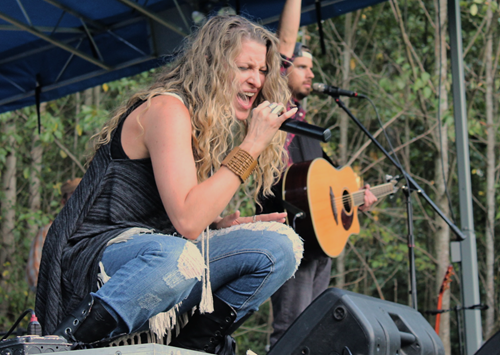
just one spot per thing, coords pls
(115, 195)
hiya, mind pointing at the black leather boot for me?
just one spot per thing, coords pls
(209, 332)
(88, 323)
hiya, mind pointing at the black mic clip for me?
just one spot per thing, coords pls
(305, 129)
(389, 178)
(335, 91)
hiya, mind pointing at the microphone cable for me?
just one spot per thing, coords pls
(16, 323)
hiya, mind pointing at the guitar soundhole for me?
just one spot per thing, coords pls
(346, 199)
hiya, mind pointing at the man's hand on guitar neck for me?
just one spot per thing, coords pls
(370, 199)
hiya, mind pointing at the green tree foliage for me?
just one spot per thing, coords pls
(393, 62)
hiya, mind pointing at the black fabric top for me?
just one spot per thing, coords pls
(117, 151)
(304, 149)
(113, 196)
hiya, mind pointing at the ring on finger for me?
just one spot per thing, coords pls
(254, 219)
(278, 109)
(272, 106)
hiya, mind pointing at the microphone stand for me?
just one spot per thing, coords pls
(411, 186)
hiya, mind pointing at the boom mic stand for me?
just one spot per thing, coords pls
(411, 186)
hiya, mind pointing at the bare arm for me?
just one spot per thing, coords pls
(190, 205)
(288, 28)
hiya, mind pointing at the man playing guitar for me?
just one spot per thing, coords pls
(313, 274)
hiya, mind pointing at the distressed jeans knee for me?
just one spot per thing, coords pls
(248, 263)
(149, 274)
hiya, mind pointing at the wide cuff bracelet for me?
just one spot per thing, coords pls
(240, 162)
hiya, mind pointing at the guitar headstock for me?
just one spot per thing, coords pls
(394, 181)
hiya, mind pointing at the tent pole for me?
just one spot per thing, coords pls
(320, 27)
(470, 280)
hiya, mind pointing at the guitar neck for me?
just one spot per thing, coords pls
(379, 191)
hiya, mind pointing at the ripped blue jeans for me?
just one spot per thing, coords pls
(152, 273)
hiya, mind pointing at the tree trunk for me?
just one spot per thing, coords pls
(490, 179)
(88, 97)
(75, 133)
(35, 179)
(441, 166)
(344, 124)
(8, 202)
(346, 62)
(36, 154)
(97, 96)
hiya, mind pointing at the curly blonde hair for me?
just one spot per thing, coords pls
(205, 77)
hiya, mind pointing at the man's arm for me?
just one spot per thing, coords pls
(288, 28)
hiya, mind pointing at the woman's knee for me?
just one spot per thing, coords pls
(286, 246)
(190, 263)
(278, 242)
(171, 257)
(281, 245)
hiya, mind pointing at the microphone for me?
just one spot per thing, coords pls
(334, 91)
(305, 129)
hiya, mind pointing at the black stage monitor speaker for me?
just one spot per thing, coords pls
(345, 323)
(491, 347)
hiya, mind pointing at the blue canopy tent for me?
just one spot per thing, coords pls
(52, 48)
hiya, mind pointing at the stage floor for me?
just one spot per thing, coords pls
(142, 349)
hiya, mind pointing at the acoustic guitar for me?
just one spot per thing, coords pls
(330, 199)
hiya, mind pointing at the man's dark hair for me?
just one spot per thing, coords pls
(300, 49)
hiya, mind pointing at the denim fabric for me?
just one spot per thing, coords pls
(152, 273)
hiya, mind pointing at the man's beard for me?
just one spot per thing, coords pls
(300, 95)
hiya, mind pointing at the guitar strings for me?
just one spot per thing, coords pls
(347, 198)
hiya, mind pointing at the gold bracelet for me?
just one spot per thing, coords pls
(240, 162)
